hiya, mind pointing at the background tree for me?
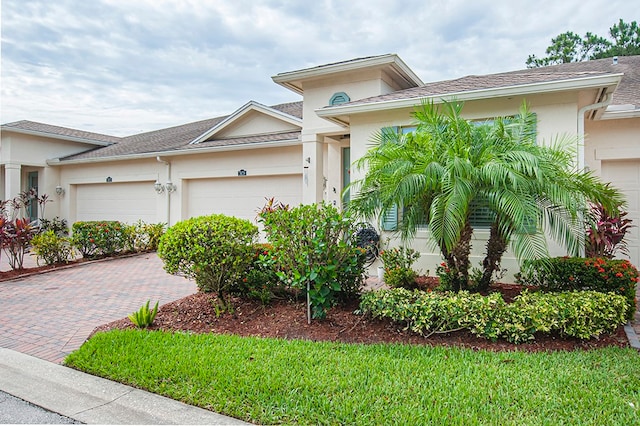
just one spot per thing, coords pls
(570, 47)
(449, 168)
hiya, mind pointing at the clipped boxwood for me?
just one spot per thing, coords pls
(581, 314)
(99, 238)
(577, 273)
(215, 250)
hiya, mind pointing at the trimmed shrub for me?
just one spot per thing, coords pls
(52, 248)
(215, 250)
(581, 314)
(575, 273)
(397, 263)
(99, 238)
(315, 246)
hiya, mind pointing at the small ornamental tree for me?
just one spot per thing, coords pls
(215, 250)
(316, 251)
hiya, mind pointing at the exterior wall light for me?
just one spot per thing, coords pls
(59, 190)
(170, 187)
(158, 187)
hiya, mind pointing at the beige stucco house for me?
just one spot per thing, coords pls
(301, 152)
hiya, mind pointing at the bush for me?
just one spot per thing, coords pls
(146, 236)
(261, 279)
(581, 314)
(15, 239)
(397, 266)
(57, 225)
(215, 250)
(575, 273)
(315, 248)
(52, 248)
(99, 238)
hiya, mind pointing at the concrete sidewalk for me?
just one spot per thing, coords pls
(93, 400)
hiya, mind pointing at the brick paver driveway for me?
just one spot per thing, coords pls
(51, 314)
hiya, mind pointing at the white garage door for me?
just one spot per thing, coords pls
(241, 196)
(126, 201)
(625, 175)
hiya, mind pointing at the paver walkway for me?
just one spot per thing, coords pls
(51, 314)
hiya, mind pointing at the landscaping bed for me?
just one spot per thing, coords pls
(286, 318)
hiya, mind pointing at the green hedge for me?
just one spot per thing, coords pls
(100, 238)
(576, 273)
(581, 314)
(215, 250)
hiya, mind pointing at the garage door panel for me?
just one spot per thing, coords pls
(241, 197)
(625, 175)
(126, 202)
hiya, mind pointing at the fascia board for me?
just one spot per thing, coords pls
(523, 89)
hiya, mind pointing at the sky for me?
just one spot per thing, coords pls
(121, 67)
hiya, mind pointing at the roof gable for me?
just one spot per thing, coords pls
(252, 118)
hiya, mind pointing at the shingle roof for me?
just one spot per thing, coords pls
(628, 92)
(48, 129)
(176, 138)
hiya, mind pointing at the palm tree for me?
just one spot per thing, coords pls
(450, 168)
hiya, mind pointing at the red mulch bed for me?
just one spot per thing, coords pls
(286, 319)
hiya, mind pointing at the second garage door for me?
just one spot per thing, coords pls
(241, 196)
(625, 175)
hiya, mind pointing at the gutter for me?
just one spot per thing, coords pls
(581, 112)
(160, 160)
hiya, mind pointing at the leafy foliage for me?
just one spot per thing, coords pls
(146, 236)
(449, 168)
(581, 314)
(316, 252)
(52, 248)
(144, 317)
(16, 237)
(215, 250)
(606, 233)
(57, 225)
(398, 263)
(575, 273)
(570, 47)
(99, 238)
(261, 279)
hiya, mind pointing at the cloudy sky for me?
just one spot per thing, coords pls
(125, 66)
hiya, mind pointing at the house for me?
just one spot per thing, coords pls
(301, 152)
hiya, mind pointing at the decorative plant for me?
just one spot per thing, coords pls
(144, 317)
(215, 250)
(52, 248)
(16, 236)
(99, 238)
(397, 263)
(316, 252)
(606, 233)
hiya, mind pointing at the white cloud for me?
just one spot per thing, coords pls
(121, 66)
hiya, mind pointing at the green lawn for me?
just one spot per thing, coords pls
(300, 382)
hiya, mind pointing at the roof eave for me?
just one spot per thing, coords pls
(341, 112)
(179, 152)
(56, 136)
(291, 79)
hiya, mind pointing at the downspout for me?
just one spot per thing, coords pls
(160, 160)
(581, 112)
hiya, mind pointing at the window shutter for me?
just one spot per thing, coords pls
(389, 219)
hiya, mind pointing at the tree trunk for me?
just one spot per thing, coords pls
(496, 246)
(458, 259)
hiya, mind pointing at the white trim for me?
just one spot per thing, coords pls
(615, 115)
(628, 153)
(521, 89)
(242, 111)
(255, 145)
(56, 136)
(288, 79)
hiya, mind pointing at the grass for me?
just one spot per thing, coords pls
(271, 381)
